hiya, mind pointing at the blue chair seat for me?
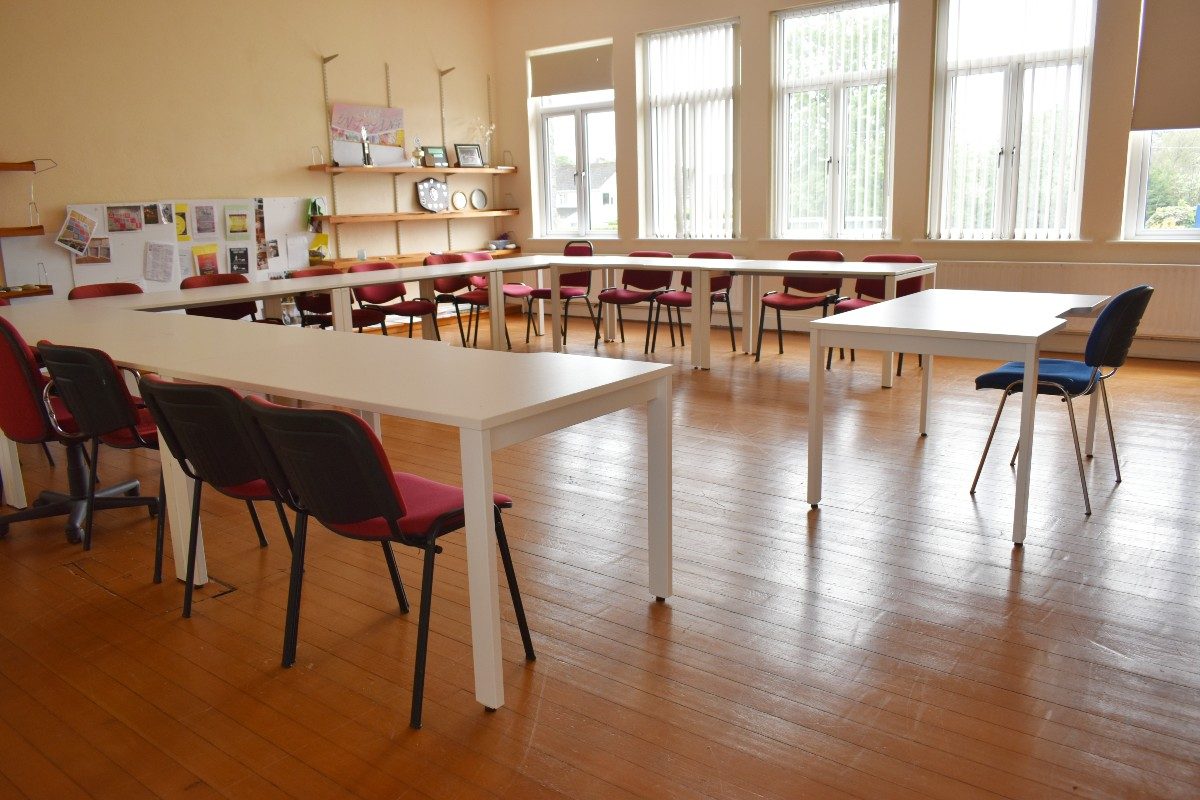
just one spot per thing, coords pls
(1074, 376)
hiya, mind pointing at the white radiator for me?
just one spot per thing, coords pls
(1174, 311)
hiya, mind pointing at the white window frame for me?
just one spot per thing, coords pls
(1137, 186)
(1013, 68)
(645, 120)
(834, 210)
(583, 197)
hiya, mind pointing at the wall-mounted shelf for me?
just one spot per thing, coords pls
(413, 216)
(407, 259)
(332, 170)
(18, 166)
(38, 290)
(28, 230)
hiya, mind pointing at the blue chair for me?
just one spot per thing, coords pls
(1107, 347)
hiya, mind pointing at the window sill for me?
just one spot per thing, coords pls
(818, 240)
(1019, 242)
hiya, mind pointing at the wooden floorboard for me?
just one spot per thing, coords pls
(892, 644)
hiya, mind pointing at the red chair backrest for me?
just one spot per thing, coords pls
(813, 285)
(874, 287)
(451, 284)
(22, 416)
(578, 247)
(647, 279)
(379, 292)
(4, 301)
(478, 281)
(103, 290)
(227, 310)
(719, 283)
(314, 303)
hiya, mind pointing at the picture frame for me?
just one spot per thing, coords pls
(435, 156)
(468, 155)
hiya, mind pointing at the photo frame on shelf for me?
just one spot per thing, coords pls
(468, 155)
(435, 156)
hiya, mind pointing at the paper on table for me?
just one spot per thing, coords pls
(159, 262)
(297, 251)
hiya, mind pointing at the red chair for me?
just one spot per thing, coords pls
(205, 432)
(478, 297)
(869, 291)
(388, 298)
(450, 289)
(230, 311)
(813, 291)
(680, 300)
(646, 285)
(331, 466)
(31, 414)
(103, 290)
(102, 409)
(317, 309)
(570, 286)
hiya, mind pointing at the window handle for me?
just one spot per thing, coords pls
(999, 157)
(828, 163)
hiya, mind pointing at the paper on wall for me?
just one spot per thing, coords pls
(159, 261)
(76, 232)
(205, 258)
(297, 251)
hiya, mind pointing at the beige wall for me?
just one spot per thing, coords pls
(523, 25)
(221, 98)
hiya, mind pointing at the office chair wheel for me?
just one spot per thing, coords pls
(74, 535)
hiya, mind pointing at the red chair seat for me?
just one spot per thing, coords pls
(519, 291)
(791, 302)
(852, 303)
(675, 299)
(257, 489)
(429, 506)
(475, 297)
(563, 292)
(411, 308)
(624, 297)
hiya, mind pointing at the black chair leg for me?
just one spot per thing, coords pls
(418, 694)
(779, 329)
(160, 527)
(49, 457)
(679, 319)
(591, 313)
(287, 529)
(262, 539)
(291, 623)
(649, 314)
(899, 364)
(458, 316)
(90, 508)
(511, 575)
(762, 319)
(599, 319)
(193, 535)
(411, 324)
(621, 324)
(397, 584)
(729, 317)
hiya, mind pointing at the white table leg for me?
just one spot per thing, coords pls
(273, 307)
(476, 453)
(10, 468)
(496, 309)
(610, 322)
(540, 315)
(556, 311)
(429, 322)
(702, 319)
(659, 488)
(1025, 456)
(751, 295)
(926, 390)
(816, 422)
(889, 365)
(343, 319)
(1093, 405)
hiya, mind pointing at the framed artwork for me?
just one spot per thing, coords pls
(435, 156)
(468, 155)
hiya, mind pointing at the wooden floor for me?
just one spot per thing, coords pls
(893, 644)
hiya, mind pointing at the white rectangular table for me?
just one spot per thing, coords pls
(1006, 326)
(493, 399)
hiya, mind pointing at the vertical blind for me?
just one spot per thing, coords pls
(690, 77)
(1013, 103)
(833, 119)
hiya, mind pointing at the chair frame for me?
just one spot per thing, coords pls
(637, 275)
(386, 308)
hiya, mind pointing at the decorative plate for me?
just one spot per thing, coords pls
(479, 199)
(458, 200)
(433, 195)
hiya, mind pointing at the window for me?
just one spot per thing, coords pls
(833, 99)
(1012, 95)
(688, 120)
(1163, 188)
(579, 164)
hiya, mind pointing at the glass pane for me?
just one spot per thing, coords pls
(1047, 177)
(982, 30)
(819, 45)
(600, 129)
(562, 193)
(806, 174)
(974, 123)
(864, 166)
(1173, 180)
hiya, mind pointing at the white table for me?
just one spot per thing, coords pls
(1005, 326)
(494, 399)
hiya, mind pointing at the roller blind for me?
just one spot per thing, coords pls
(586, 69)
(1168, 74)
